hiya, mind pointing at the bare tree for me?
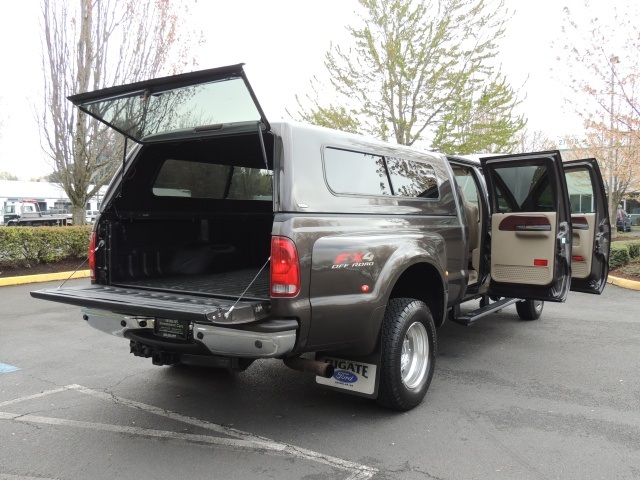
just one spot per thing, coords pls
(536, 141)
(92, 44)
(605, 80)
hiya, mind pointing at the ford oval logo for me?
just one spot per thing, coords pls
(345, 376)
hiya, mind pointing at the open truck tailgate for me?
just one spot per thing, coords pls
(179, 306)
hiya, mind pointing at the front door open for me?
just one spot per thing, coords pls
(530, 226)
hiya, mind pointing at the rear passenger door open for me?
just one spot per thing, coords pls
(530, 226)
(591, 227)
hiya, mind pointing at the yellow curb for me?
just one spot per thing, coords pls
(624, 283)
(44, 277)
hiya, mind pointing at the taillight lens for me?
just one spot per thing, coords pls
(92, 257)
(285, 268)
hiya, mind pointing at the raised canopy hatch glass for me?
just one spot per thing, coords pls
(143, 114)
(179, 106)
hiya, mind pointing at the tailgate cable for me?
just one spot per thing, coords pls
(226, 315)
(100, 245)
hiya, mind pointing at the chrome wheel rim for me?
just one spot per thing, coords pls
(414, 360)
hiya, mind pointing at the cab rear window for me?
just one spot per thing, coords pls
(183, 178)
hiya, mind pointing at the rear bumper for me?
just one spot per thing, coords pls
(265, 339)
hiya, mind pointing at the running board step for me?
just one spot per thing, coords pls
(470, 317)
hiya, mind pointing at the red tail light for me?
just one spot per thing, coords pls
(285, 268)
(92, 258)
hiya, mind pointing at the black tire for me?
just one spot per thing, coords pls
(529, 309)
(407, 328)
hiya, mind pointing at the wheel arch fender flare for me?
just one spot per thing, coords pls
(414, 273)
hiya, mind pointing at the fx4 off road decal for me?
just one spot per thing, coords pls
(353, 260)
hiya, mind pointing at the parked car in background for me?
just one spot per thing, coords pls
(623, 221)
(27, 213)
(62, 211)
(91, 216)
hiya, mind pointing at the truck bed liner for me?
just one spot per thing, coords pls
(224, 284)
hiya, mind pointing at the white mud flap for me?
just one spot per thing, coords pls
(355, 376)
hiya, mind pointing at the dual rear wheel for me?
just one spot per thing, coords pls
(408, 353)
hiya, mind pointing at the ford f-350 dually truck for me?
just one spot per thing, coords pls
(225, 238)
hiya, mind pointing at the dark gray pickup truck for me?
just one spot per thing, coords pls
(225, 239)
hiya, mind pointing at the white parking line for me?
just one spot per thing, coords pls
(37, 395)
(5, 476)
(241, 439)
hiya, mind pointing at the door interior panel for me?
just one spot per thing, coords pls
(523, 247)
(530, 226)
(590, 225)
(583, 235)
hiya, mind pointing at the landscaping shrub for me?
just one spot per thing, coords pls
(28, 246)
(634, 248)
(619, 254)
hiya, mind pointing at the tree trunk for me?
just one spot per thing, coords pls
(79, 214)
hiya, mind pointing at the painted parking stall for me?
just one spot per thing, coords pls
(216, 435)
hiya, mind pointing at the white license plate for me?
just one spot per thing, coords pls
(350, 375)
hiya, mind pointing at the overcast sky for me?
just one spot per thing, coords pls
(282, 43)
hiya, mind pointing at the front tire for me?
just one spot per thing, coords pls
(408, 353)
(529, 309)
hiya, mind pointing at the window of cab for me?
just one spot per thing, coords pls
(356, 173)
(182, 178)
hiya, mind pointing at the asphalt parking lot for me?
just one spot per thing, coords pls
(554, 398)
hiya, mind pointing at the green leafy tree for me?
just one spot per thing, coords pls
(332, 117)
(483, 122)
(8, 176)
(412, 63)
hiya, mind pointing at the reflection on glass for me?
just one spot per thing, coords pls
(140, 115)
(180, 178)
(412, 179)
(354, 172)
(580, 190)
